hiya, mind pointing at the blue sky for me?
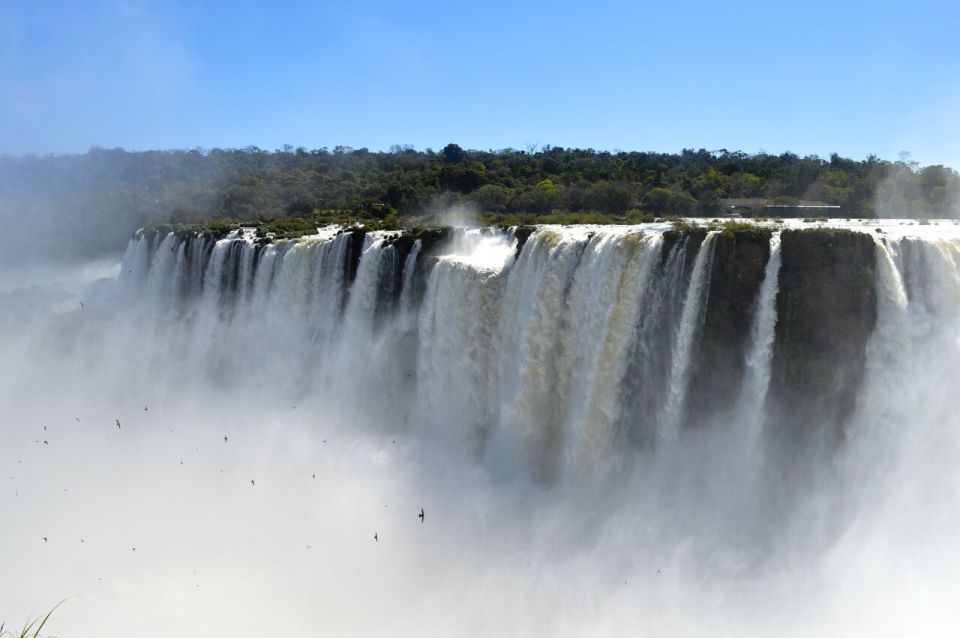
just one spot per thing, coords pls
(810, 77)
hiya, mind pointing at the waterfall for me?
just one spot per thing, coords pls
(688, 331)
(136, 264)
(328, 277)
(161, 278)
(406, 292)
(556, 358)
(760, 348)
(248, 252)
(706, 431)
(359, 316)
(606, 297)
(456, 364)
(532, 378)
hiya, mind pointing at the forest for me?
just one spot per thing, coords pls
(115, 191)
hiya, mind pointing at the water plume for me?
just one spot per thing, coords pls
(211, 440)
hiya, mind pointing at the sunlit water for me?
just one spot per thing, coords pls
(272, 420)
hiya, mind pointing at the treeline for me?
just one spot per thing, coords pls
(118, 191)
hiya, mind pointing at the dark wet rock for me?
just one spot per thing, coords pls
(522, 234)
(826, 312)
(739, 263)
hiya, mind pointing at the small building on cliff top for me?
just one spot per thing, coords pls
(778, 207)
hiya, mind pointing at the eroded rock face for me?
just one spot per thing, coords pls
(357, 236)
(522, 234)
(739, 261)
(826, 311)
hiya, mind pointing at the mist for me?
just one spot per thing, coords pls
(275, 413)
(897, 192)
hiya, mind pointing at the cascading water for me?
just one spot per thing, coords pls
(760, 350)
(543, 357)
(687, 332)
(541, 393)
(407, 314)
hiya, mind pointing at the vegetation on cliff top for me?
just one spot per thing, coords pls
(251, 183)
(111, 193)
(296, 227)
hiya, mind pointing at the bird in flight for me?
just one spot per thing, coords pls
(117, 421)
(375, 539)
(224, 438)
(421, 515)
(44, 539)
(144, 408)
(252, 482)
(81, 305)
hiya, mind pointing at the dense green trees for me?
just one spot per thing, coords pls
(123, 190)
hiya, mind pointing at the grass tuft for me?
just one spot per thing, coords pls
(32, 628)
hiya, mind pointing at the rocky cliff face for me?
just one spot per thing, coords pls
(825, 313)
(827, 310)
(738, 269)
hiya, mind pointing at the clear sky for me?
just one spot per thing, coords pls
(810, 77)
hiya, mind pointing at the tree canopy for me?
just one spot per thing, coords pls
(119, 191)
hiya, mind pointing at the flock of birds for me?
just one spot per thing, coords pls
(226, 439)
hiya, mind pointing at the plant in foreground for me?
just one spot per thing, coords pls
(31, 629)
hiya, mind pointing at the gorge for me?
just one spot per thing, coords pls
(664, 427)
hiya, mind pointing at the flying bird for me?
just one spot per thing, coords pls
(81, 305)
(44, 539)
(117, 421)
(224, 438)
(144, 408)
(375, 539)
(252, 482)
(421, 515)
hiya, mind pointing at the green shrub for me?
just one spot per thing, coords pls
(733, 226)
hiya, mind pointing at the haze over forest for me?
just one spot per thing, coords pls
(88, 205)
(501, 377)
